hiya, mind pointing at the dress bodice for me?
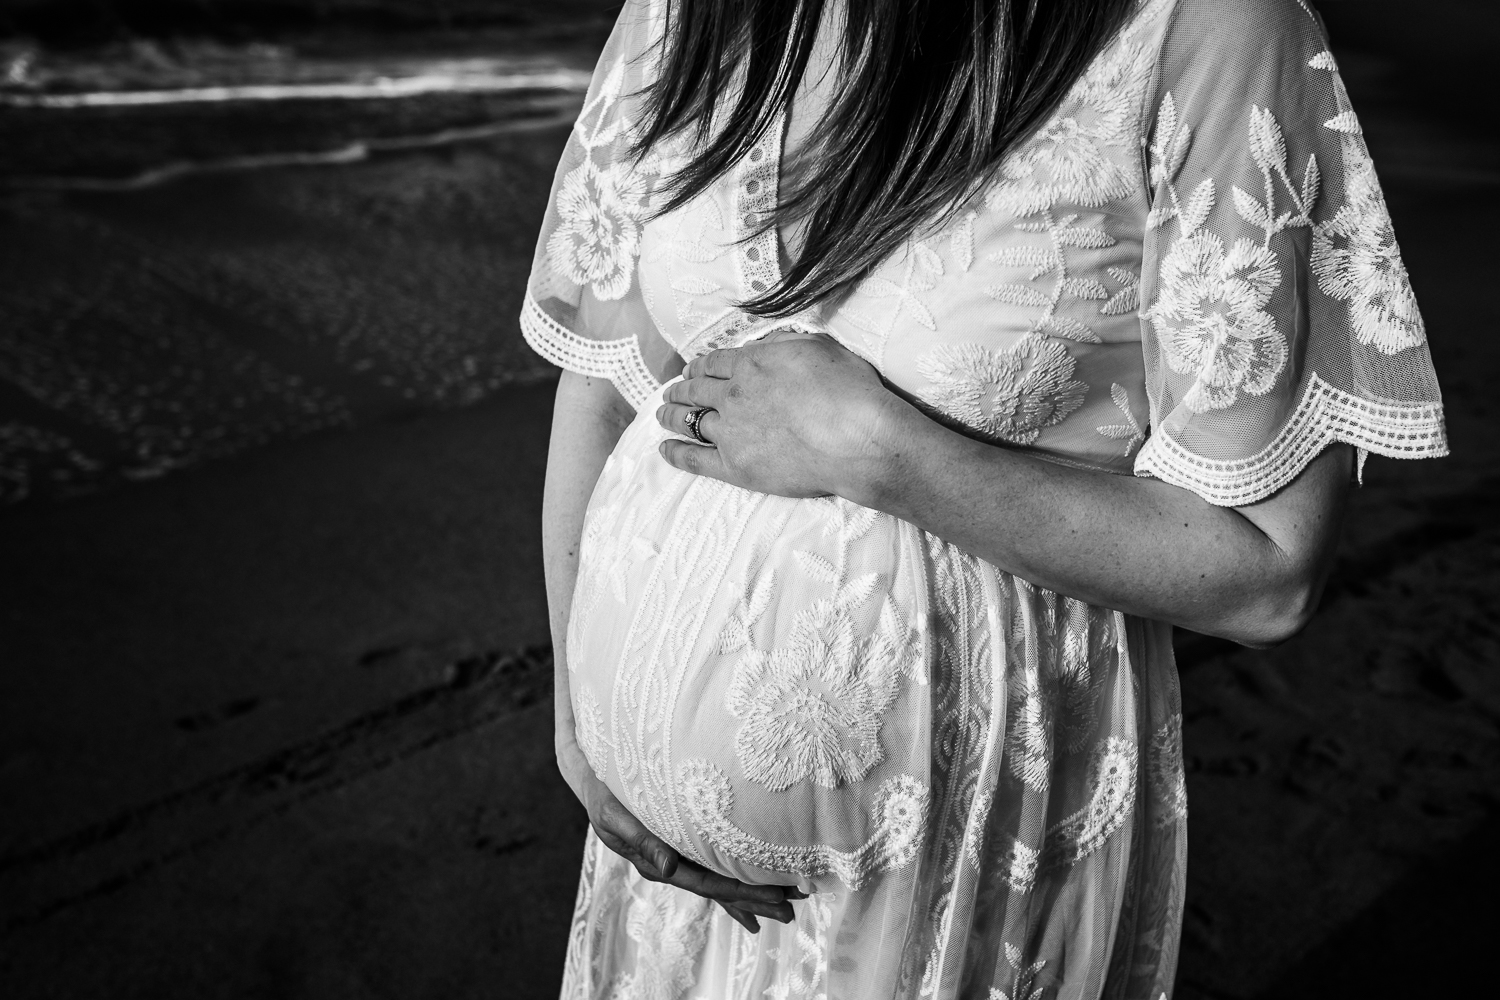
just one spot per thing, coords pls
(1188, 271)
(1013, 318)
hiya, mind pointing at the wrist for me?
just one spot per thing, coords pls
(890, 428)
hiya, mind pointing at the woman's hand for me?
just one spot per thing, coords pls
(795, 415)
(628, 837)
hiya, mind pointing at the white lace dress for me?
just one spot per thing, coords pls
(1189, 273)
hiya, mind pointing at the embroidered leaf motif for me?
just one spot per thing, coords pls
(857, 589)
(817, 567)
(1130, 432)
(1084, 236)
(1084, 288)
(962, 241)
(695, 285)
(1199, 204)
(1324, 61)
(760, 596)
(1128, 298)
(1039, 259)
(1346, 122)
(1068, 329)
(1312, 181)
(1250, 209)
(1018, 295)
(928, 259)
(1170, 147)
(921, 313)
(1267, 145)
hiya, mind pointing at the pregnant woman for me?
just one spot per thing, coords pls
(1011, 333)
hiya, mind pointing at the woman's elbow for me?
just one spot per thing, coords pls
(1283, 611)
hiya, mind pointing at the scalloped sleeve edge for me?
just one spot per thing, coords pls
(1325, 416)
(620, 361)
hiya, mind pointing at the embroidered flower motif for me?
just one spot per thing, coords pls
(1357, 261)
(1069, 160)
(812, 709)
(600, 231)
(1212, 320)
(670, 933)
(1009, 395)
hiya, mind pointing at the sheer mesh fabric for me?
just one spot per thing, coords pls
(583, 309)
(1281, 315)
(980, 782)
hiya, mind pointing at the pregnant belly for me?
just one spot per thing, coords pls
(749, 673)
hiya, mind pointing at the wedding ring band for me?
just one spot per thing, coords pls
(693, 419)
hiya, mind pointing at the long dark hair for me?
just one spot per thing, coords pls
(933, 94)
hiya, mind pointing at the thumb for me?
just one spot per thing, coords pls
(621, 822)
(660, 855)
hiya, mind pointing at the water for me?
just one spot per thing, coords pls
(191, 267)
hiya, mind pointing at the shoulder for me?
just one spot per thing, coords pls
(1240, 47)
(1244, 28)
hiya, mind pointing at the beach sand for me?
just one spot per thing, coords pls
(277, 724)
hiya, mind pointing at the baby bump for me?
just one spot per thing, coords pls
(750, 673)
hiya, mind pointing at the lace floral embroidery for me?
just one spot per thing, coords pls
(1130, 431)
(903, 279)
(1009, 395)
(812, 709)
(1063, 233)
(600, 234)
(1069, 160)
(899, 814)
(1355, 255)
(669, 932)
(1111, 801)
(1211, 313)
(805, 976)
(601, 207)
(1024, 987)
(589, 730)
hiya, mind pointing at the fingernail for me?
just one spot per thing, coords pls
(793, 892)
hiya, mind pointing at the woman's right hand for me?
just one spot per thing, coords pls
(628, 837)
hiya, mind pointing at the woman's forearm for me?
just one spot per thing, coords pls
(588, 417)
(1142, 546)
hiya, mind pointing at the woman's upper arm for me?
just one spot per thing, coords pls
(1302, 520)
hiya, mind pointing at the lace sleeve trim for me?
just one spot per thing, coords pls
(620, 361)
(1326, 415)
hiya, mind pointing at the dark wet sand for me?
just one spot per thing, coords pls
(278, 725)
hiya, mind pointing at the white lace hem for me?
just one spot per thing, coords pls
(620, 361)
(1326, 415)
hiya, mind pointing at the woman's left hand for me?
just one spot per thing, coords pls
(795, 415)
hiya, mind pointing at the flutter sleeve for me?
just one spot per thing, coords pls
(1277, 316)
(583, 309)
